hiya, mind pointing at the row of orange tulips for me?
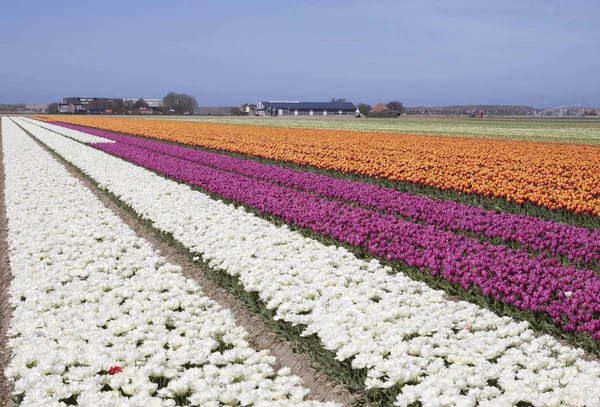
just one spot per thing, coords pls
(555, 176)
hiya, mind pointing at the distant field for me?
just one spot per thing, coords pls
(583, 131)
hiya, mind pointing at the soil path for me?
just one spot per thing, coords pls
(5, 278)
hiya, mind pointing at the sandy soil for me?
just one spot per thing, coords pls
(5, 278)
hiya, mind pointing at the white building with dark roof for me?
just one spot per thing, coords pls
(297, 108)
(153, 103)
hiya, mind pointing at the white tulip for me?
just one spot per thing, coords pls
(329, 291)
(96, 297)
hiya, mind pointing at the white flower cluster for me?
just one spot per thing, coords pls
(75, 135)
(443, 352)
(100, 319)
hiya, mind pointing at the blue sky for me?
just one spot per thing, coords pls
(429, 52)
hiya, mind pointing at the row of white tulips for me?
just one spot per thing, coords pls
(444, 352)
(100, 319)
(75, 135)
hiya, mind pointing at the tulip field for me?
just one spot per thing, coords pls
(547, 175)
(579, 130)
(413, 270)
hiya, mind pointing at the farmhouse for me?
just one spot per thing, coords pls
(95, 105)
(149, 105)
(92, 102)
(70, 108)
(296, 108)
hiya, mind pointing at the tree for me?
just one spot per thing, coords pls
(118, 106)
(52, 108)
(340, 100)
(179, 103)
(395, 106)
(364, 108)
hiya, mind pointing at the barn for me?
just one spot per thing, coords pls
(297, 108)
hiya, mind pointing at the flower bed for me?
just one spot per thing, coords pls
(75, 135)
(570, 297)
(551, 175)
(578, 245)
(404, 335)
(100, 319)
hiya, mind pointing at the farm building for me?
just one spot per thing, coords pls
(154, 105)
(381, 110)
(92, 104)
(296, 108)
(70, 108)
(95, 103)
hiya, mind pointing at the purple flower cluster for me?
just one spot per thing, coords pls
(579, 245)
(508, 276)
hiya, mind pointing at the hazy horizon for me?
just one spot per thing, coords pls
(429, 53)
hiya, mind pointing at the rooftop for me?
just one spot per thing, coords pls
(309, 105)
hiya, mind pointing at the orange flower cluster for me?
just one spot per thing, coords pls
(553, 175)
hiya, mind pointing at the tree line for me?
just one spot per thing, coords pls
(179, 103)
(395, 107)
